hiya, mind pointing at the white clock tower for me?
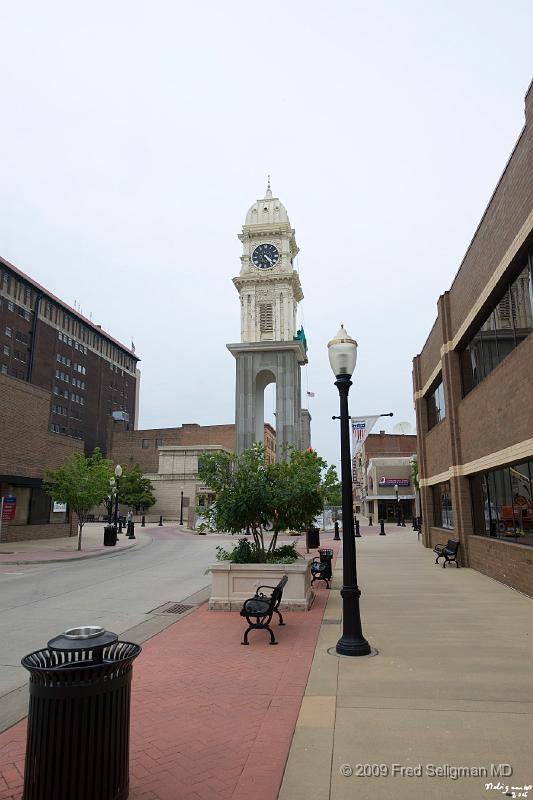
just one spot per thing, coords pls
(271, 349)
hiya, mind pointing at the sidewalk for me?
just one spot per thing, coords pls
(39, 551)
(451, 685)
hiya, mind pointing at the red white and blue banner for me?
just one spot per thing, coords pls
(361, 427)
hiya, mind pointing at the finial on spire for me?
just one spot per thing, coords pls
(269, 190)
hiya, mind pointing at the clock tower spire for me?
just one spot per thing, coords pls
(268, 285)
(271, 349)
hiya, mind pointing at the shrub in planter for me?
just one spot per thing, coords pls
(262, 498)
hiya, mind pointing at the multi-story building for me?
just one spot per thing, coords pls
(90, 376)
(473, 388)
(27, 450)
(382, 463)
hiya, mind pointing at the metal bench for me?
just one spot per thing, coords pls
(321, 567)
(261, 608)
(448, 552)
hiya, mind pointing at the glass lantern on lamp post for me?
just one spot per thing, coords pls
(342, 352)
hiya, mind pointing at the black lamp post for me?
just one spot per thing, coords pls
(118, 475)
(342, 351)
(181, 509)
(398, 508)
(110, 501)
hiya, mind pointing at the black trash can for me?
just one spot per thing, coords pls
(79, 717)
(110, 536)
(321, 567)
(313, 538)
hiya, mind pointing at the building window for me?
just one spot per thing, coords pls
(145, 444)
(159, 442)
(502, 503)
(3, 369)
(7, 331)
(6, 350)
(10, 306)
(435, 405)
(508, 323)
(442, 506)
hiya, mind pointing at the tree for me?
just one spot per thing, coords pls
(253, 496)
(135, 490)
(82, 482)
(331, 488)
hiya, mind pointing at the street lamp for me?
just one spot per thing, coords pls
(401, 523)
(118, 475)
(342, 352)
(112, 489)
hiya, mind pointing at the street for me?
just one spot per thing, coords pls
(116, 591)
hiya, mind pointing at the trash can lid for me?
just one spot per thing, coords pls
(84, 637)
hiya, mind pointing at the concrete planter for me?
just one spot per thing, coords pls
(232, 584)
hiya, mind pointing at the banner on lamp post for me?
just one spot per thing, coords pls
(361, 427)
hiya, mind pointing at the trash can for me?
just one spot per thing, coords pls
(79, 717)
(110, 536)
(313, 538)
(321, 567)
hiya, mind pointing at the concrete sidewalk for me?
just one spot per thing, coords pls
(452, 685)
(43, 551)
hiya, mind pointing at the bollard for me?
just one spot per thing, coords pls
(336, 538)
(161, 520)
(414, 523)
(370, 522)
(357, 534)
(143, 521)
(382, 527)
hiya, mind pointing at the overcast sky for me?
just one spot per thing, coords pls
(135, 135)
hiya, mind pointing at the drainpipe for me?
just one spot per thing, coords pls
(34, 335)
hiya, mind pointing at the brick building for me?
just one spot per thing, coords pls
(473, 389)
(128, 447)
(88, 374)
(27, 450)
(382, 463)
(169, 458)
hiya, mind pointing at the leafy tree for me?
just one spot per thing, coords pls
(254, 496)
(82, 482)
(135, 490)
(331, 487)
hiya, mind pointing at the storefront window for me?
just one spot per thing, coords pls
(502, 503)
(22, 495)
(442, 505)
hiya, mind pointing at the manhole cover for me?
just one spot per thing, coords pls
(171, 608)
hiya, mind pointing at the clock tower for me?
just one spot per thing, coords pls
(271, 350)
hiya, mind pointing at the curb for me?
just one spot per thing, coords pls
(104, 554)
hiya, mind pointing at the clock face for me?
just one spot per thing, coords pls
(265, 256)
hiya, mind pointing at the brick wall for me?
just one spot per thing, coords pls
(507, 211)
(506, 562)
(126, 446)
(27, 448)
(387, 444)
(498, 411)
(20, 533)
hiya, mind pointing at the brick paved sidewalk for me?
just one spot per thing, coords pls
(211, 720)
